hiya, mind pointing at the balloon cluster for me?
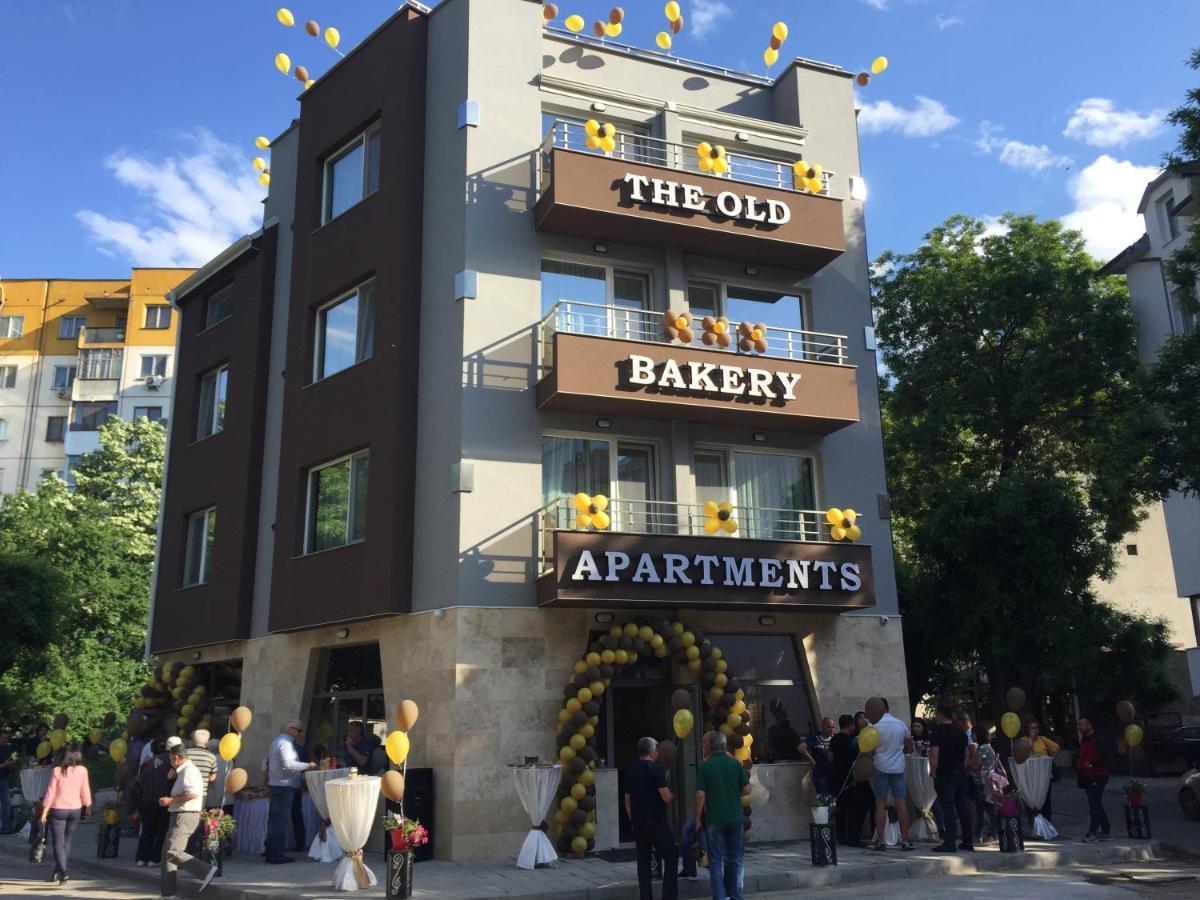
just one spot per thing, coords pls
(711, 158)
(613, 27)
(397, 746)
(283, 62)
(617, 654)
(842, 525)
(1133, 733)
(716, 331)
(590, 511)
(674, 20)
(231, 745)
(719, 517)
(601, 137)
(779, 33)
(752, 337)
(809, 176)
(878, 65)
(677, 326)
(260, 164)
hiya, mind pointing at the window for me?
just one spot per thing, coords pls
(1131, 550)
(154, 365)
(12, 326)
(219, 306)
(633, 141)
(198, 554)
(51, 473)
(337, 503)
(158, 316)
(92, 415)
(8, 377)
(345, 332)
(1166, 221)
(769, 490)
(56, 427)
(624, 471)
(64, 377)
(211, 414)
(3, 429)
(70, 326)
(352, 173)
(100, 364)
(768, 668)
(1184, 309)
(585, 290)
(153, 413)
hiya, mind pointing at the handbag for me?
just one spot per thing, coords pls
(37, 850)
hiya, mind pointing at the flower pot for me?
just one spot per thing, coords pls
(820, 815)
(1135, 799)
(397, 837)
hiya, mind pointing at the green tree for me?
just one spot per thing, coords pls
(32, 598)
(1018, 453)
(100, 541)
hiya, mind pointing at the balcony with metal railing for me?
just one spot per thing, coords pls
(90, 337)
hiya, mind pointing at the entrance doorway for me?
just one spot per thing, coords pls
(349, 688)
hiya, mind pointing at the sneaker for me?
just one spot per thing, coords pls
(141, 863)
(212, 872)
(907, 846)
(945, 848)
(1089, 839)
(878, 845)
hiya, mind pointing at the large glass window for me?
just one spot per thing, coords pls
(349, 690)
(210, 416)
(768, 489)
(573, 282)
(12, 326)
(158, 316)
(624, 471)
(64, 377)
(337, 503)
(198, 555)
(352, 173)
(219, 306)
(90, 416)
(56, 426)
(598, 300)
(154, 365)
(345, 332)
(70, 326)
(153, 413)
(774, 308)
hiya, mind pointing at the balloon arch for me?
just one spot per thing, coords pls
(628, 646)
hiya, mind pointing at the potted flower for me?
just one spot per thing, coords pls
(404, 835)
(821, 804)
(1135, 790)
(216, 825)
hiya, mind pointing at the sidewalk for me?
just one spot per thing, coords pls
(768, 868)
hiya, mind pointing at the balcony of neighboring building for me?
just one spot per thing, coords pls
(97, 373)
(101, 337)
(653, 192)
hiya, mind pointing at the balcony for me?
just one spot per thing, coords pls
(651, 192)
(617, 361)
(100, 337)
(661, 553)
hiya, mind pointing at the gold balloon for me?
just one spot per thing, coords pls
(549, 12)
(579, 844)
(880, 63)
(406, 715)
(833, 516)
(333, 37)
(116, 749)
(301, 73)
(58, 739)
(235, 780)
(574, 23)
(1125, 711)
(663, 40)
(230, 746)
(868, 739)
(578, 791)
(1022, 749)
(44, 749)
(241, 718)
(285, 17)
(397, 745)
(671, 10)
(392, 785)
(770, 56)
(1010, 724)
(683, 722)
(1133, 735)
(780, 31)
(264, 178)
(283, 62)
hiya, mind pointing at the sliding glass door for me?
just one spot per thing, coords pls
(626, 472)
(766, 488)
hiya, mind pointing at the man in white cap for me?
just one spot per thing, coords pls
(284, 769)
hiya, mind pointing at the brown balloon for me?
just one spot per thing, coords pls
(1126, 711)
(863, 768)
(776, 43)
(235, 780)
(874, 709)
(406, 715)
(392, 785)
(301, 73)
(863, 79)
(667, 753)
(681, 699)
(1015, 698)
(241, 718)
(61, 720)
(598, 28)
(616, 16)
(686, 335)
(549, 11)
(1022, 747)
(312, 28)
(677, 25)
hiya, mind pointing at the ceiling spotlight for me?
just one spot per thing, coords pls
(604, 423)
(604, 618)
(343, 633)
(766, 620)
(751, 271)
(760, 436)
(196, 655)
(600, 248)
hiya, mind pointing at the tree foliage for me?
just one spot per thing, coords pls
(99, 540)
(1018, 453)
(32, 598)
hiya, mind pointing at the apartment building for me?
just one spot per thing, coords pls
(73, 354)
(446, 439)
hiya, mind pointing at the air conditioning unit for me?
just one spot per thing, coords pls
(153, 382)
(64, 393)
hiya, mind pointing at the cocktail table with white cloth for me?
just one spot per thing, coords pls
(251, 815)
(536, 786)
(918, 781)
(34, 782)
(1033, 780)
(325, 846)
(352, 803)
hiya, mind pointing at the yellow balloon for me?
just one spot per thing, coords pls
(230, 746)
(833, 516)
(582, 501)
(58, 739)
(838, 533)
(712, 526)
(868, 739)
(283, 62)
(683, 722)
(720, 166)
(742, 754)
(671, 10)
(95, 735)
(262, 143)
(780, 30)
(44, 749)
(574, 23)
(309, 83)
(578, 742)
(1133, 735)
(613, 30)
(585, 695)
(566, 754)
(770, 56)
(578, 791)
(579, 844)
(264, 178)
(600, 519)
(663, 40)
(880, 63)
(285, 17)
(397, 747)
(854, 532)
(116, 749)
(1010, 724)
(333, 37)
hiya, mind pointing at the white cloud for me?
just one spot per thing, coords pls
(927, 118)
(1098, 122)
(706, 15)
(193, 205)
(944, 22)
(993, 226)
(1017, 154)
(1106, 195)
(877, 4)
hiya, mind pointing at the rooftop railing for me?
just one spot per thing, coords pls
(636, 324)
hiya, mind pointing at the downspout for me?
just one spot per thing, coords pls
(35, 386)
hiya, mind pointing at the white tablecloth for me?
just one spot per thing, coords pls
(327, 849)
(1033, 780)
(918, 781)
(251, 816)
(34, 783)
(536, 787)
(352, 803)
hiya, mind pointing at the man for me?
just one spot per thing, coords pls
(184, 806)
(843, 751)
(206, 764)
(894, 742)
(356, 749)
(816, 750)
(720, 782)
(782, 739)
(1095, 755)
(690, 829)
(7, 768)
(40, 734)
(283, 779)
(646, 800)
(948, 754)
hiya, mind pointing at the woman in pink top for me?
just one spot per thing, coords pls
(68, 798)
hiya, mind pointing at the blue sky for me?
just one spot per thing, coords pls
(129, 124)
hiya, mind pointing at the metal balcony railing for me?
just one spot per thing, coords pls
(642, 149)
(99, 365)
(101, 336)
(666, 517)
(635, 324)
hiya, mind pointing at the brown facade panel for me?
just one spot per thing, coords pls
(602, 569)
(628, 378)
(610, 199)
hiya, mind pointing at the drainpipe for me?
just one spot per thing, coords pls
(35, 386)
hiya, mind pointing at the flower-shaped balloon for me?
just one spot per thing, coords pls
(716, 332)
(841, 524)
(752, 337)
(600, 137)
(677, 326)
(719, 517)
(809, 176)
(712, 158)
(591, 511)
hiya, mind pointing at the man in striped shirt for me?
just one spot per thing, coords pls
(206, 763)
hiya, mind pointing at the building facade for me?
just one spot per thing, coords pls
(73, 354)
(449, 439)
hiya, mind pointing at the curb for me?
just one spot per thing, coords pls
(796, 880)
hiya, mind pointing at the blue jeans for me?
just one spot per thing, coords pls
(279, 820)
(725, 854)
(689, 861)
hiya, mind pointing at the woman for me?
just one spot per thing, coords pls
(920, 737)
(986, 789)
(152, 784)
(68, 799)
(1040, 746)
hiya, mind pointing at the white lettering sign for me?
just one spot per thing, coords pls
(730, 205)
(708, 378)
(725, 571)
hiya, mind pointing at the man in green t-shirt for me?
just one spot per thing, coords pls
(720, 782)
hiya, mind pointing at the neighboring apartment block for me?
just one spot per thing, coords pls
(74, 353)
(445, 439)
